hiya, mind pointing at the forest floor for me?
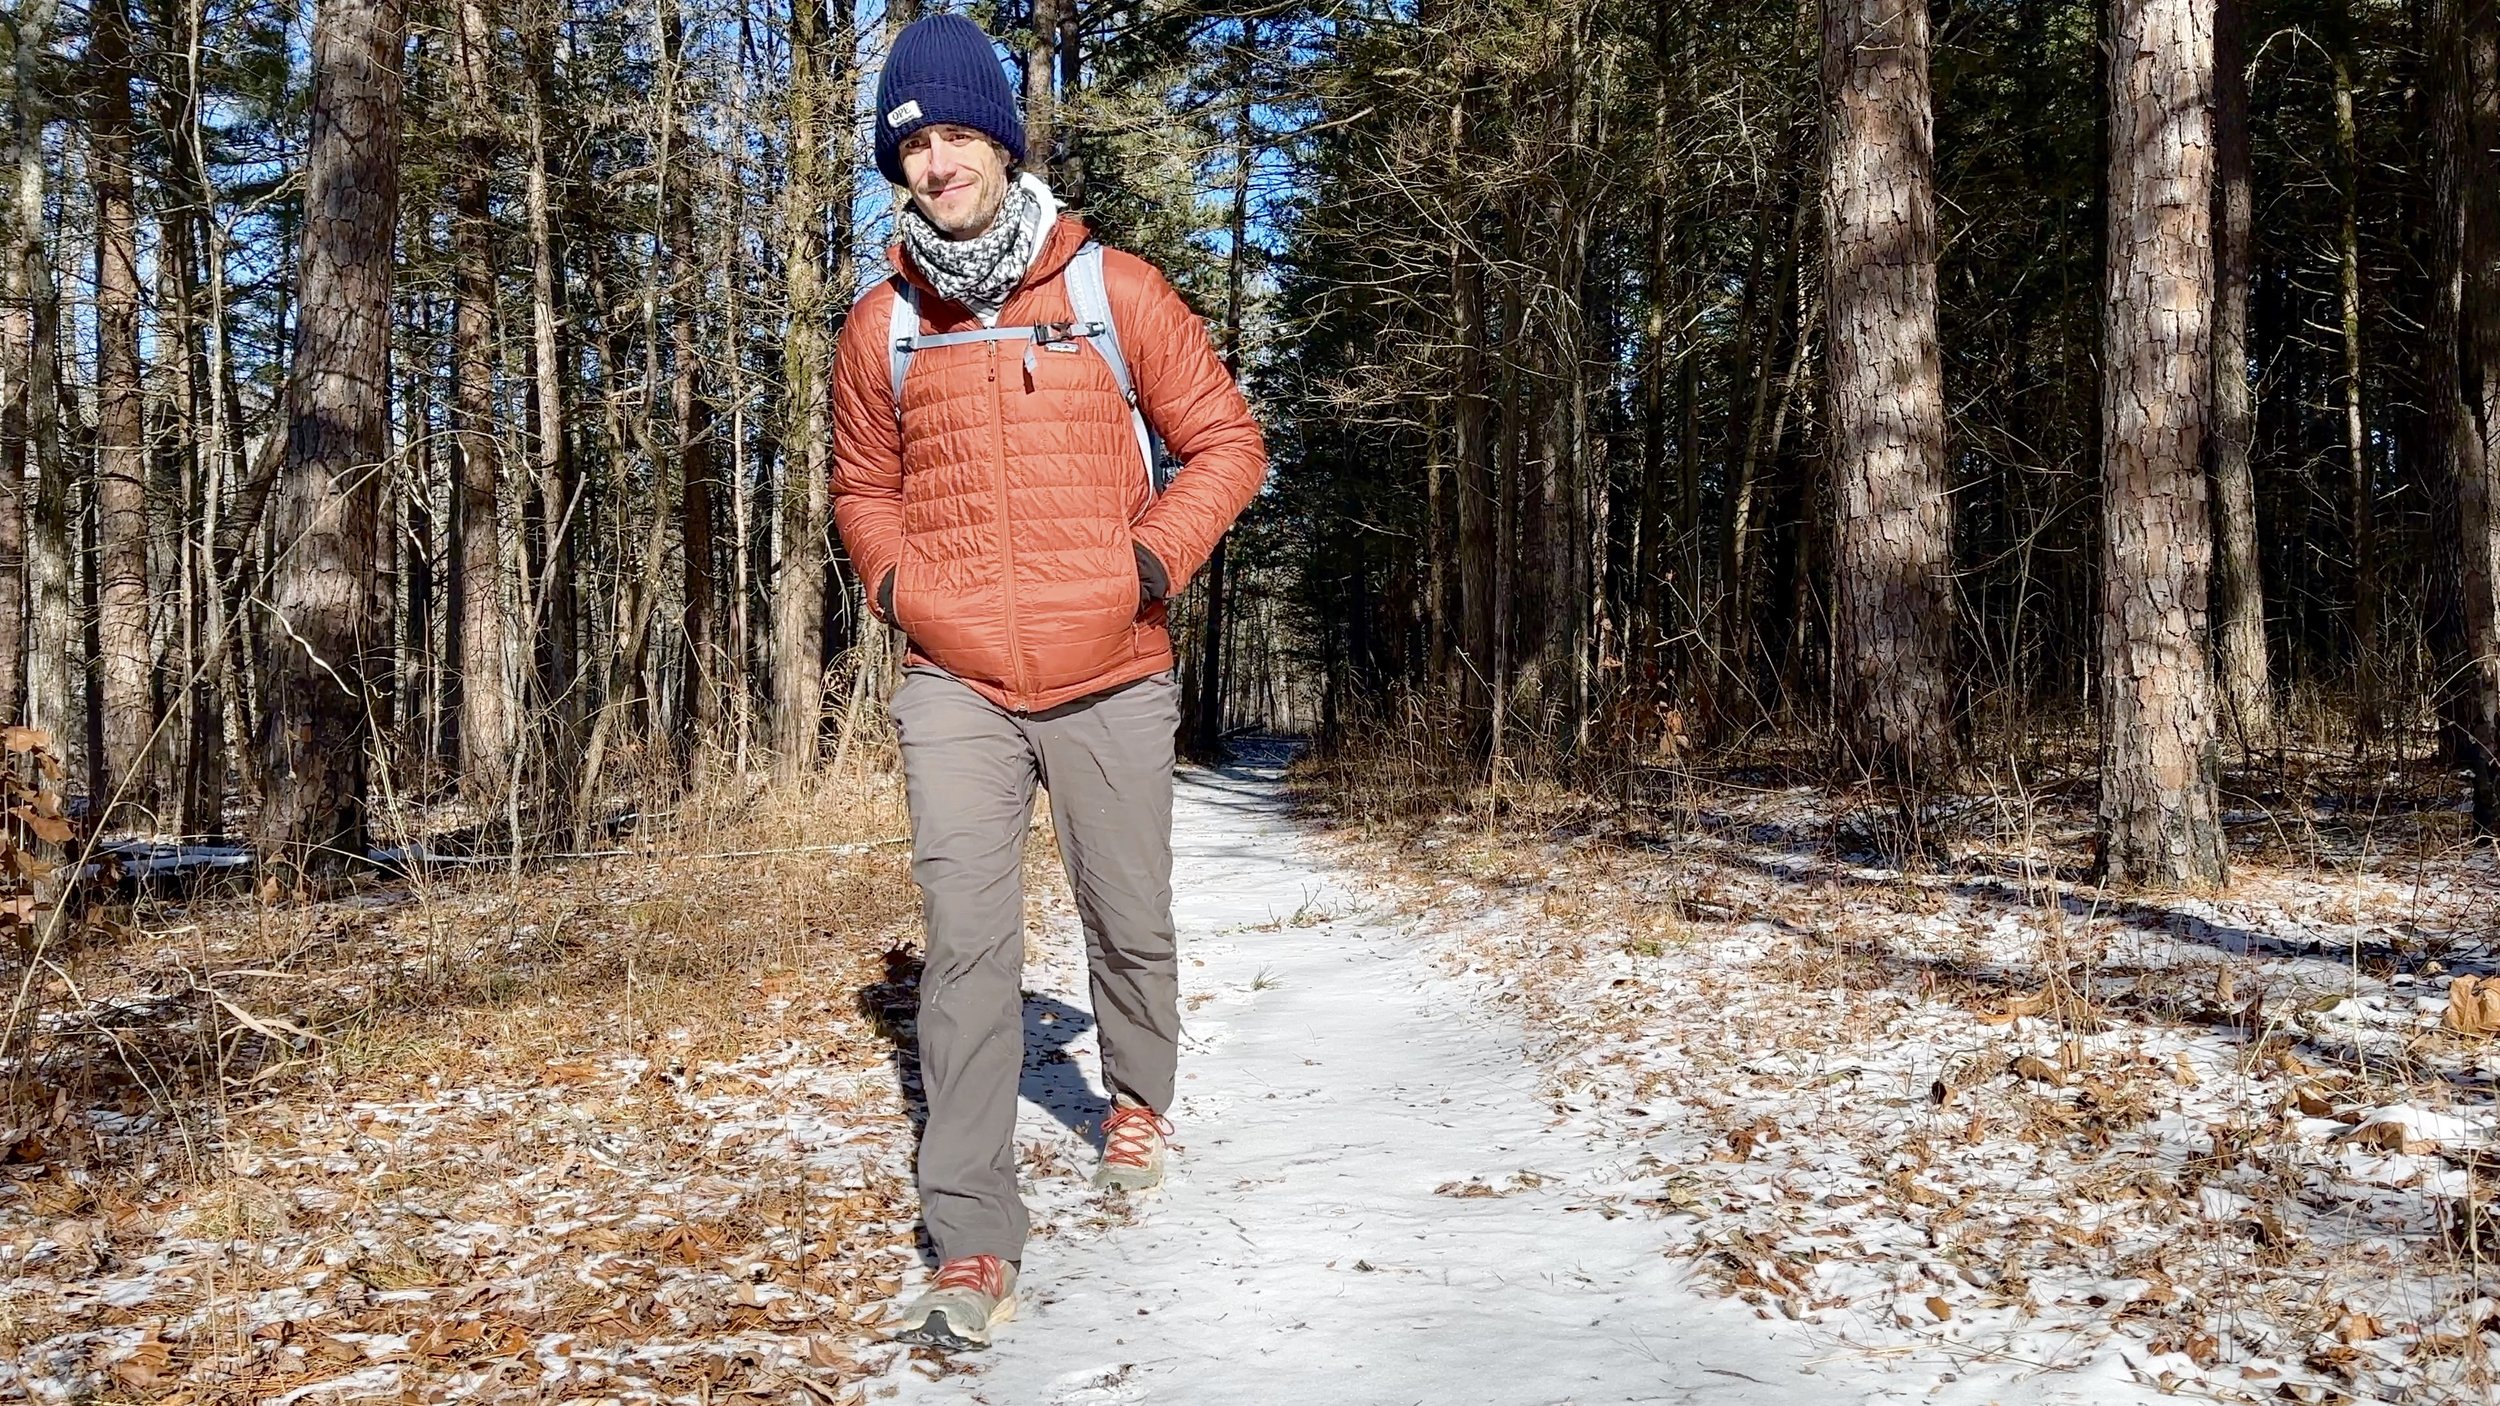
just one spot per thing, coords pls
(1968, 1114)
(1541, 1100)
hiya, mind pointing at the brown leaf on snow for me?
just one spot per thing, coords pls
(2335, 1360)
(2358, 1328)
(2017, 1007)
(1743, 1141)
(145, 1364)
(2389, 1136)
(2313, 1102)
(2039, 1071)
(1969, 1071)
(826, 1350)
(2266, 1228)
(2473, 1006)
(1939, 1307)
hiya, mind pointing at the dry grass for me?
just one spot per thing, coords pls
(625, 1126)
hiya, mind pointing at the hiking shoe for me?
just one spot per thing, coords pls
(971, 1296)
(1132, 1147)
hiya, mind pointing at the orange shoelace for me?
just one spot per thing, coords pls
(1130, 1132)
(982, 1274)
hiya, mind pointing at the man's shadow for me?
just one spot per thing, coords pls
(1053, 1078)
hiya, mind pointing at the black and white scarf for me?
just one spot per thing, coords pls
(983, 272)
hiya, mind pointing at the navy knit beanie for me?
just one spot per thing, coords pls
(944, 69)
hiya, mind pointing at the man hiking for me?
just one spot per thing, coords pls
(997, 406)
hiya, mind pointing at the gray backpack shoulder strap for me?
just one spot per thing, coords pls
(1090, 301)
(902, 332)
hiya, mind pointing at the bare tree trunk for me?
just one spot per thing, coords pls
(2363, 494)
(1893, 537)
(798, 619)
(2160, 810)
(2240, 615)
(2463, 353)
(124, 666)
(699, 711)
(54, 700)
(557, 646)
(1649, 556)
(1041, 52)
(486, 701)
(28, 282)
(1207, 727)
(195, 742)
(1068, 180)
(1470, 452)
(329, 633)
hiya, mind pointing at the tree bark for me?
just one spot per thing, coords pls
(557, 646)
(2160, 809)
(1068, 180)
(54, 701)
(1207, 712)
(1471, 453)
(124, 666)
(1893, 537)
(2240, 614)
(1041, 53)
(798, 616)
(2362, 493)
(330, 633)
(28, 282)
(700, 707)
(2463, 353)
(486, 701)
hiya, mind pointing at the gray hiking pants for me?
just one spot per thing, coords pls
(969, 771)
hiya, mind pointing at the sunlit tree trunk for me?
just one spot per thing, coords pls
(2160, 810)
(124, 664)
(1207, 713)
(28, 437)
(1041, 53)
(798, 620)
(329, 632)
(2240, 612)
(486, 701)
(556, 646)
(1893, 537)
(55, 699)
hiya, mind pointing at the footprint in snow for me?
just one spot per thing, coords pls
(1099, 1386)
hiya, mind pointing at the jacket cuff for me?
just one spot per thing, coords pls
(1153, 582)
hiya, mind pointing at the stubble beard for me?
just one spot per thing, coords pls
(979, 223)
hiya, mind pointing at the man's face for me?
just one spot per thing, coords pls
(957, 176)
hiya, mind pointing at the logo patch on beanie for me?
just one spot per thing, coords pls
(907, 112)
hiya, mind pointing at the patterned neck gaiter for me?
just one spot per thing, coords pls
(983, 272)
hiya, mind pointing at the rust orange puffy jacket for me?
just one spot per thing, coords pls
(1009, 505)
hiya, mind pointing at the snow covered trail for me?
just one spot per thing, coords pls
(1331, 1079)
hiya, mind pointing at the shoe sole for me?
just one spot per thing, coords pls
(937, 1332)
(1108, 1180)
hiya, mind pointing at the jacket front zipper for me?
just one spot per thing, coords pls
(1006, 525)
